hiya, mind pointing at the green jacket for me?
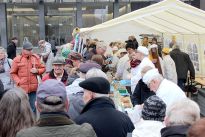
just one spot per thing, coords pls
(57, 125)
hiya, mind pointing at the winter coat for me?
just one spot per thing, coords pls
(175, 131)
(11, 50)
(183, 64)
(105, 119)
(169, 92)
(141, 93)
(47, 52)
(169, 69)
(147, 128)
(6, 77)
(51, 75)
(57, 125)
(20, 71)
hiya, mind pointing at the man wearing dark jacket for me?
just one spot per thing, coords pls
(11, 49)
(183, 65)
(100, 111)
(52, 104)
(179, 117)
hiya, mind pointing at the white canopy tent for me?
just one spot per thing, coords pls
(166, 18)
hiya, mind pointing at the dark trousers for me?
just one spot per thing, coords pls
(181, 83)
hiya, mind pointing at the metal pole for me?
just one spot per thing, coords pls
(3, 25)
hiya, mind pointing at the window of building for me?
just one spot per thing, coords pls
(193, 54)
(97, 14)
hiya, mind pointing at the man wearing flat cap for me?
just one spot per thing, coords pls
(75, 92)
(58, 72)
(52, 103)
(100, 111)
(24, 71)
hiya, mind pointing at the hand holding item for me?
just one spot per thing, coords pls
(34, 70)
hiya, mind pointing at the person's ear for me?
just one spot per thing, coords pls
(166, 121)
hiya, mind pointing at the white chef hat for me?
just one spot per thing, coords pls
(150, 75)
(152, 46)
(143, 50)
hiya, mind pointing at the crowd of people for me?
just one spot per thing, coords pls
(66, 93)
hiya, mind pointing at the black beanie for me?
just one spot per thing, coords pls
(154, 108)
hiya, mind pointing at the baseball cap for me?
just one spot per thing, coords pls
(51, 87)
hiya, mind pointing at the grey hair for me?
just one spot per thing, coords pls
(94, 72)
(183, 112)
(52, 108)
(4, 51)
(98, 95)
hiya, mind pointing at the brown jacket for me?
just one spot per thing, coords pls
(20, 71)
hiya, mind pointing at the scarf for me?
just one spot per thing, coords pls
(134, 63)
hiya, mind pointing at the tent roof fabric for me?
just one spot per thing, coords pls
(168, 16)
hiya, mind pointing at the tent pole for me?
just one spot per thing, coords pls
(200, 56)
(162, 40)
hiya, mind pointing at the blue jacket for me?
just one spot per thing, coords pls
(105, 119)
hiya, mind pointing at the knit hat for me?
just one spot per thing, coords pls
(51, 87)
(27, 46)
(154, 109)
(96, 84)
(65, 52)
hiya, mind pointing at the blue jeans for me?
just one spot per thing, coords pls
(181, 83)
(32, 99)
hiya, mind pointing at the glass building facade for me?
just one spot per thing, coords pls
(55, 19)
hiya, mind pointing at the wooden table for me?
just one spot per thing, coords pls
(200, 80)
